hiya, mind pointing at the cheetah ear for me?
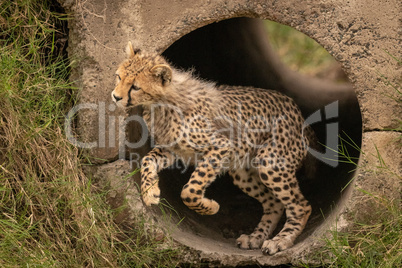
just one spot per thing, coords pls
(131, 52)
(163, 72)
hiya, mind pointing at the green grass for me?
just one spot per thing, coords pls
(370, 244)
(51, 215)
(373, 240)
(298, 51)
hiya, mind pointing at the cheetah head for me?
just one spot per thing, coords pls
(141, 79)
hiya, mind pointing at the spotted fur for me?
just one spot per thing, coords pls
(255, 135)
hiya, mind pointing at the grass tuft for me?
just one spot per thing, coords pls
(370, 244)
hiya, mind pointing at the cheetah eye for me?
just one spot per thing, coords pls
(118, 77)
(135, 88)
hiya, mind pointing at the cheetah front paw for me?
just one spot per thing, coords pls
(249, 242)
(275, 245)
(151, 196)
(208, 207)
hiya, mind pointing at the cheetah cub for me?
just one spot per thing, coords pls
(255, 135)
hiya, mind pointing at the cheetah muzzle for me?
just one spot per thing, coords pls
(258, 136)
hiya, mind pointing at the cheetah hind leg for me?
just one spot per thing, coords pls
(250, 184)
(297, 208)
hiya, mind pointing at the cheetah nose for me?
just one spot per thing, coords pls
(116, 99)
